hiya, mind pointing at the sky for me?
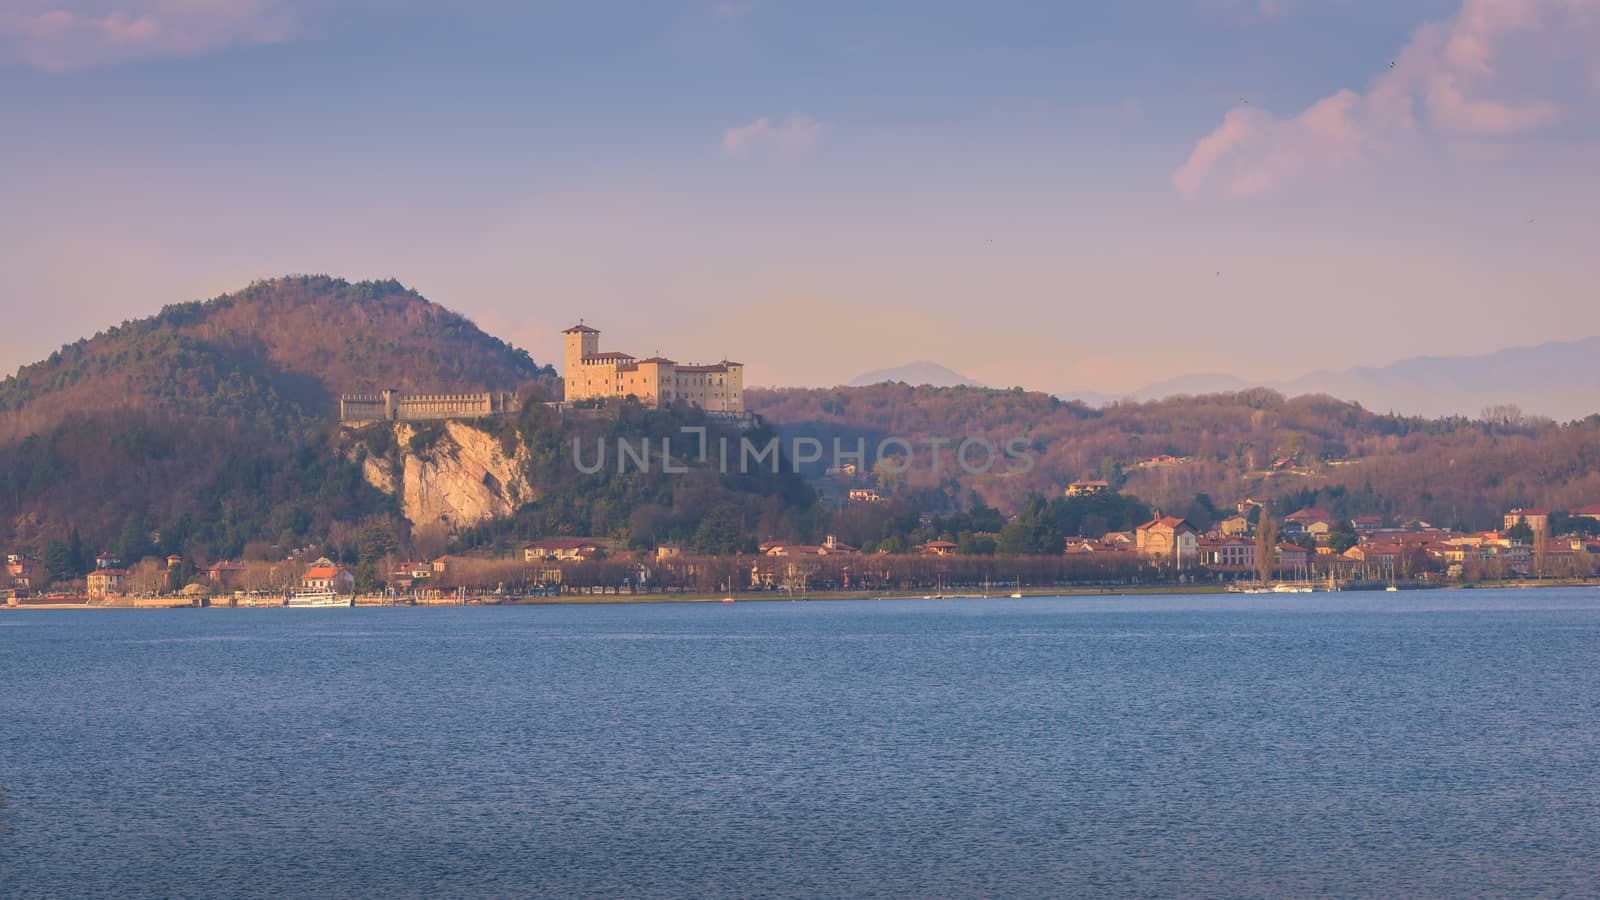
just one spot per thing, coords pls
(1066, 196)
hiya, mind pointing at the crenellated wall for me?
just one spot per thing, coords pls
(393, 406)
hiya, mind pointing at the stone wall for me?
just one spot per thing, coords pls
(393, 406)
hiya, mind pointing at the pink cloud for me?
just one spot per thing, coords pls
(796, 135)
(1452, 80)
(56, 39)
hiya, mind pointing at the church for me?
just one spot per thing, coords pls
(593, 375)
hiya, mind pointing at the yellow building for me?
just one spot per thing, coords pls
(592, 375)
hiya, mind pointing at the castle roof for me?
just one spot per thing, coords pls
(659, 359)
(607, 356)
(581, 328)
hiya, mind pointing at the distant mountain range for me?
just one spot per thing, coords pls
(1560, 379)
(915, 374)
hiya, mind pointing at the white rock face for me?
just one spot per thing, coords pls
(467, 478)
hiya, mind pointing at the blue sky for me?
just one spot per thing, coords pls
(1066, 196)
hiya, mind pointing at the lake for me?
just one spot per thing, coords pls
(1430, 742)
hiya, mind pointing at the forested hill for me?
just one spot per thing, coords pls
(1257, 444)
(277, 353)
(210, 424)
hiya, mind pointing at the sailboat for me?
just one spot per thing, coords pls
(1017, 594)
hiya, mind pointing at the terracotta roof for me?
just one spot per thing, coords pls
(1309, 515)
(1591, 510)
(321, 572)
(1172, 522)
(581, 329)
(1529, 512)
(659, 359)
(714, 367)
(609, 355)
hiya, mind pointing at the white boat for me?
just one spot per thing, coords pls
(309, 599)
(1391, 588)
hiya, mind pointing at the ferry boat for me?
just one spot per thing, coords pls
(308, 599)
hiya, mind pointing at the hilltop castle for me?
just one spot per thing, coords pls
(591, 375)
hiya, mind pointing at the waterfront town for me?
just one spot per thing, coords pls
(1256, 542)
(1307, 547)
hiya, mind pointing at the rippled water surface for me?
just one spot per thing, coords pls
(1419, 743)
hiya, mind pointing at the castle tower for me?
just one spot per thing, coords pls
(580, 341)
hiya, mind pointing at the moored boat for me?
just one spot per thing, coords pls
(311, 599)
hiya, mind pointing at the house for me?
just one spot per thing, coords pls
(1076, 545)
(829, 547)
(1308, 521)
(416, 571)
(562, 549)
(1228, 554)
(1536, 519)
(1087, 488)
(106, 561)
(669, 551)
(106, 582)
(407, 574)
(1292, 556)
(937, 548)
(1233, 526)
(1366, 524)
(24, 571)
(1167, 540)
(328, 578)
(444, 564)
(1382, 555)
(831, 544)
(226, 575)
(865, 495)
(1121, 540)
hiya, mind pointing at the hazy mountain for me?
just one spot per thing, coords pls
(1558, 379)
(1205, 383)
(915, 373)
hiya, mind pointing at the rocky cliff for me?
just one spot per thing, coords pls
(450, 473)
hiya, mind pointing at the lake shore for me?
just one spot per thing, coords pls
(783, 597)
